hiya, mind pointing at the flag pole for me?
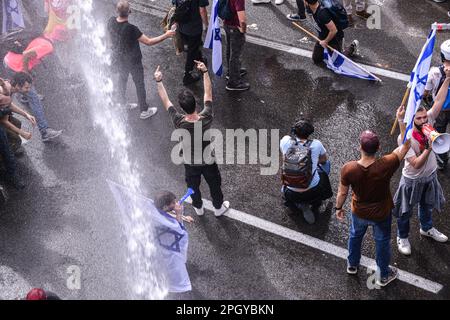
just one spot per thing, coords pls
(316, 38)
(405, 98)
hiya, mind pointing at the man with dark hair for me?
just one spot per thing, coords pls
(330, 32)
(196, 124)
(419, 184)
(305, 190)
(22, 83)
(127, 55)
(191, 29)
(369, 179)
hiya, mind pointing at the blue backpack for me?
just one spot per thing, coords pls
(338, 12)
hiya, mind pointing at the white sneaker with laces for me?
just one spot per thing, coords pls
(260, 1)
(223, 209)
(404, 247)
(147, 114)
(200, 211)
(435, 234)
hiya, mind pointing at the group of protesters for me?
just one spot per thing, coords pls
(305, 187)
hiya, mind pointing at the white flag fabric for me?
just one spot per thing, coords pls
(213, 39)
(340, 64)
(169, 235)
(12, 15)
(417, 82)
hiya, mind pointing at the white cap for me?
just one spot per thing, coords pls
(445, 50)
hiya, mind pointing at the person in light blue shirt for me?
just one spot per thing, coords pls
(309, 198)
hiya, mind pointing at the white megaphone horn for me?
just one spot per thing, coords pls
(440, 142)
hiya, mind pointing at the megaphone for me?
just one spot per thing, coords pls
(440, 142)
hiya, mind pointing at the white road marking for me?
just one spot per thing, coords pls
(285, 48)
(321, 245)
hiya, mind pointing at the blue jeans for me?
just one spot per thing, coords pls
(382, 236)
(426, 223)
(37, 109)
(8, 158)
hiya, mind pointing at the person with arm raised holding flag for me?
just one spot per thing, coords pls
(436, 77)
(419, 184)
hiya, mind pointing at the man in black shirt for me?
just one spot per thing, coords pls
(127, 55)
(191, 31)
(196, 124)
(330, 33)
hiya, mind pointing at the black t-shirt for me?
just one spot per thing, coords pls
(194, 26)
(322, 17)
(125, 44)
(179, 121)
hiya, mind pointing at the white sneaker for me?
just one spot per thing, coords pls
(147, 114)
(279, 1)
(404, 247)
(260, 1)
(436, 235)
(200, 211)
(223, 209)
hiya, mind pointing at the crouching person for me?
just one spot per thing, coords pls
(305, 170)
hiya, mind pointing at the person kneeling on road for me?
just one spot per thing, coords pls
(305, 170)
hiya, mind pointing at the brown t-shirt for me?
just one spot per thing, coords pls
(371, 199)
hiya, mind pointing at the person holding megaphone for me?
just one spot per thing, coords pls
(419, 184)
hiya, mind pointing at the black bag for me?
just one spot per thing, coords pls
(224, 10)
(182, 11)
(337, 10)
(296, 171)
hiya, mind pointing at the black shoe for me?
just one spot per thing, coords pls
(242, 73)
(189, 78)
(15, 182)
(241, 86)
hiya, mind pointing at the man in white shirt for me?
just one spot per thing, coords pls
(419, 184)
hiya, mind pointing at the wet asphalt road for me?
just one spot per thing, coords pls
(67, 216)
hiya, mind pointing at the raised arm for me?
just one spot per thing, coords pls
(206, 81)
(152, 41)
(441, 96)
(161, 90)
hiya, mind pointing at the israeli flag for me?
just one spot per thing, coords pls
(12, 16)
(340, 64)
(213, 39)
(169, 235)
(417, 82)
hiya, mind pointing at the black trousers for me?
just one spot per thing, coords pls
(317, 55)
(301, 8)
(137, 73)
(194, 50)
(313, 196)
(212, 176)
(6, 154)
(440, 125)
(235, 46)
